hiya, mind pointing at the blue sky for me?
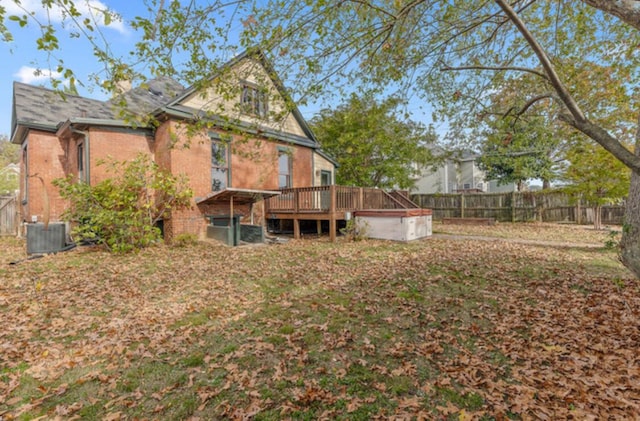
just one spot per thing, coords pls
(20, 58)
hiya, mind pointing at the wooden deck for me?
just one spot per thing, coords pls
(330, 203)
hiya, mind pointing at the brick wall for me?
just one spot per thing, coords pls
(46, 159)
(118, 144)
(253, 165)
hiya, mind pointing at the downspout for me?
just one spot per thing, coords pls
(87, 155)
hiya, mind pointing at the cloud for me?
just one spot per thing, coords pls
(32, 75)
(91, 9)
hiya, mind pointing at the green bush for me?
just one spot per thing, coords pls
(121, 212)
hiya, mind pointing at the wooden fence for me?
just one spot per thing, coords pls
(517, 207)
(8, 215)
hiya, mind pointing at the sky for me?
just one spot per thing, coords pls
(20, 58)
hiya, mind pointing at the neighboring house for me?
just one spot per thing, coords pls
(252, 146)
(458, 175)
(9, 179)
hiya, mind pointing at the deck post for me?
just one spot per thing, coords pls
(296, 228)
(319, 226)
(296, 199)
(332, 213)
(360, 204)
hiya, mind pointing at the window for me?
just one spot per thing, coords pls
(254, 101)
(219, 163)
(81, 163)
(325, 178)
(284, 169)
(25, 174)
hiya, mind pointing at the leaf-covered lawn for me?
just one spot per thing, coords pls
(563, 233)
(434, 329)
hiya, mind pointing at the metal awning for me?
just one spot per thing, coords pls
(237, 196)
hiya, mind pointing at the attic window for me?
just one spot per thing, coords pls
(254, 100)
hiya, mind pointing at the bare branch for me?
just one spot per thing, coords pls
(532, 101)
(576, 118)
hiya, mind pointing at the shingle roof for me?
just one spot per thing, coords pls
(47, 108)
(34, 104)
(151, 95)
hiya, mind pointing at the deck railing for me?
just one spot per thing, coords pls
(326, 199)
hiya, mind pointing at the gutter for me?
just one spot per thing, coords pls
(245, 127)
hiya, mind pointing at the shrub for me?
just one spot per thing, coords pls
(121, 212)
(185, 240)
(355, 231)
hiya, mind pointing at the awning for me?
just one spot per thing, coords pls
(237, 196)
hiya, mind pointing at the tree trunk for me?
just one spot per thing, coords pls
(630, 241)
(546, 184)
(597, 221)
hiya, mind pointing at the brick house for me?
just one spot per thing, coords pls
(252, 143)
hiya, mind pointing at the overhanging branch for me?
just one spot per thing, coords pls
(496, 69)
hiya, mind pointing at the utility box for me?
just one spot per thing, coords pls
(395, 224)
(41, 240)
(224, 228)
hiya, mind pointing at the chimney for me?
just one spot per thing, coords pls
(123, 86)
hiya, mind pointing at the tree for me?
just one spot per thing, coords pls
(9, 154)
(121, 212)
(452, 51)
(447, 51)
(517, 152)
(515, 146)
(597, 177)
(373, 147)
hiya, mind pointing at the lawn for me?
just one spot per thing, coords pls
(433, 329)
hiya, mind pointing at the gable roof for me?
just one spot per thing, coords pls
(257, 54)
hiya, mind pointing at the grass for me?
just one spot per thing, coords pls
(537, 231)
(445, 329)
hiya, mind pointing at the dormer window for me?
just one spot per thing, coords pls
(254, 100)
